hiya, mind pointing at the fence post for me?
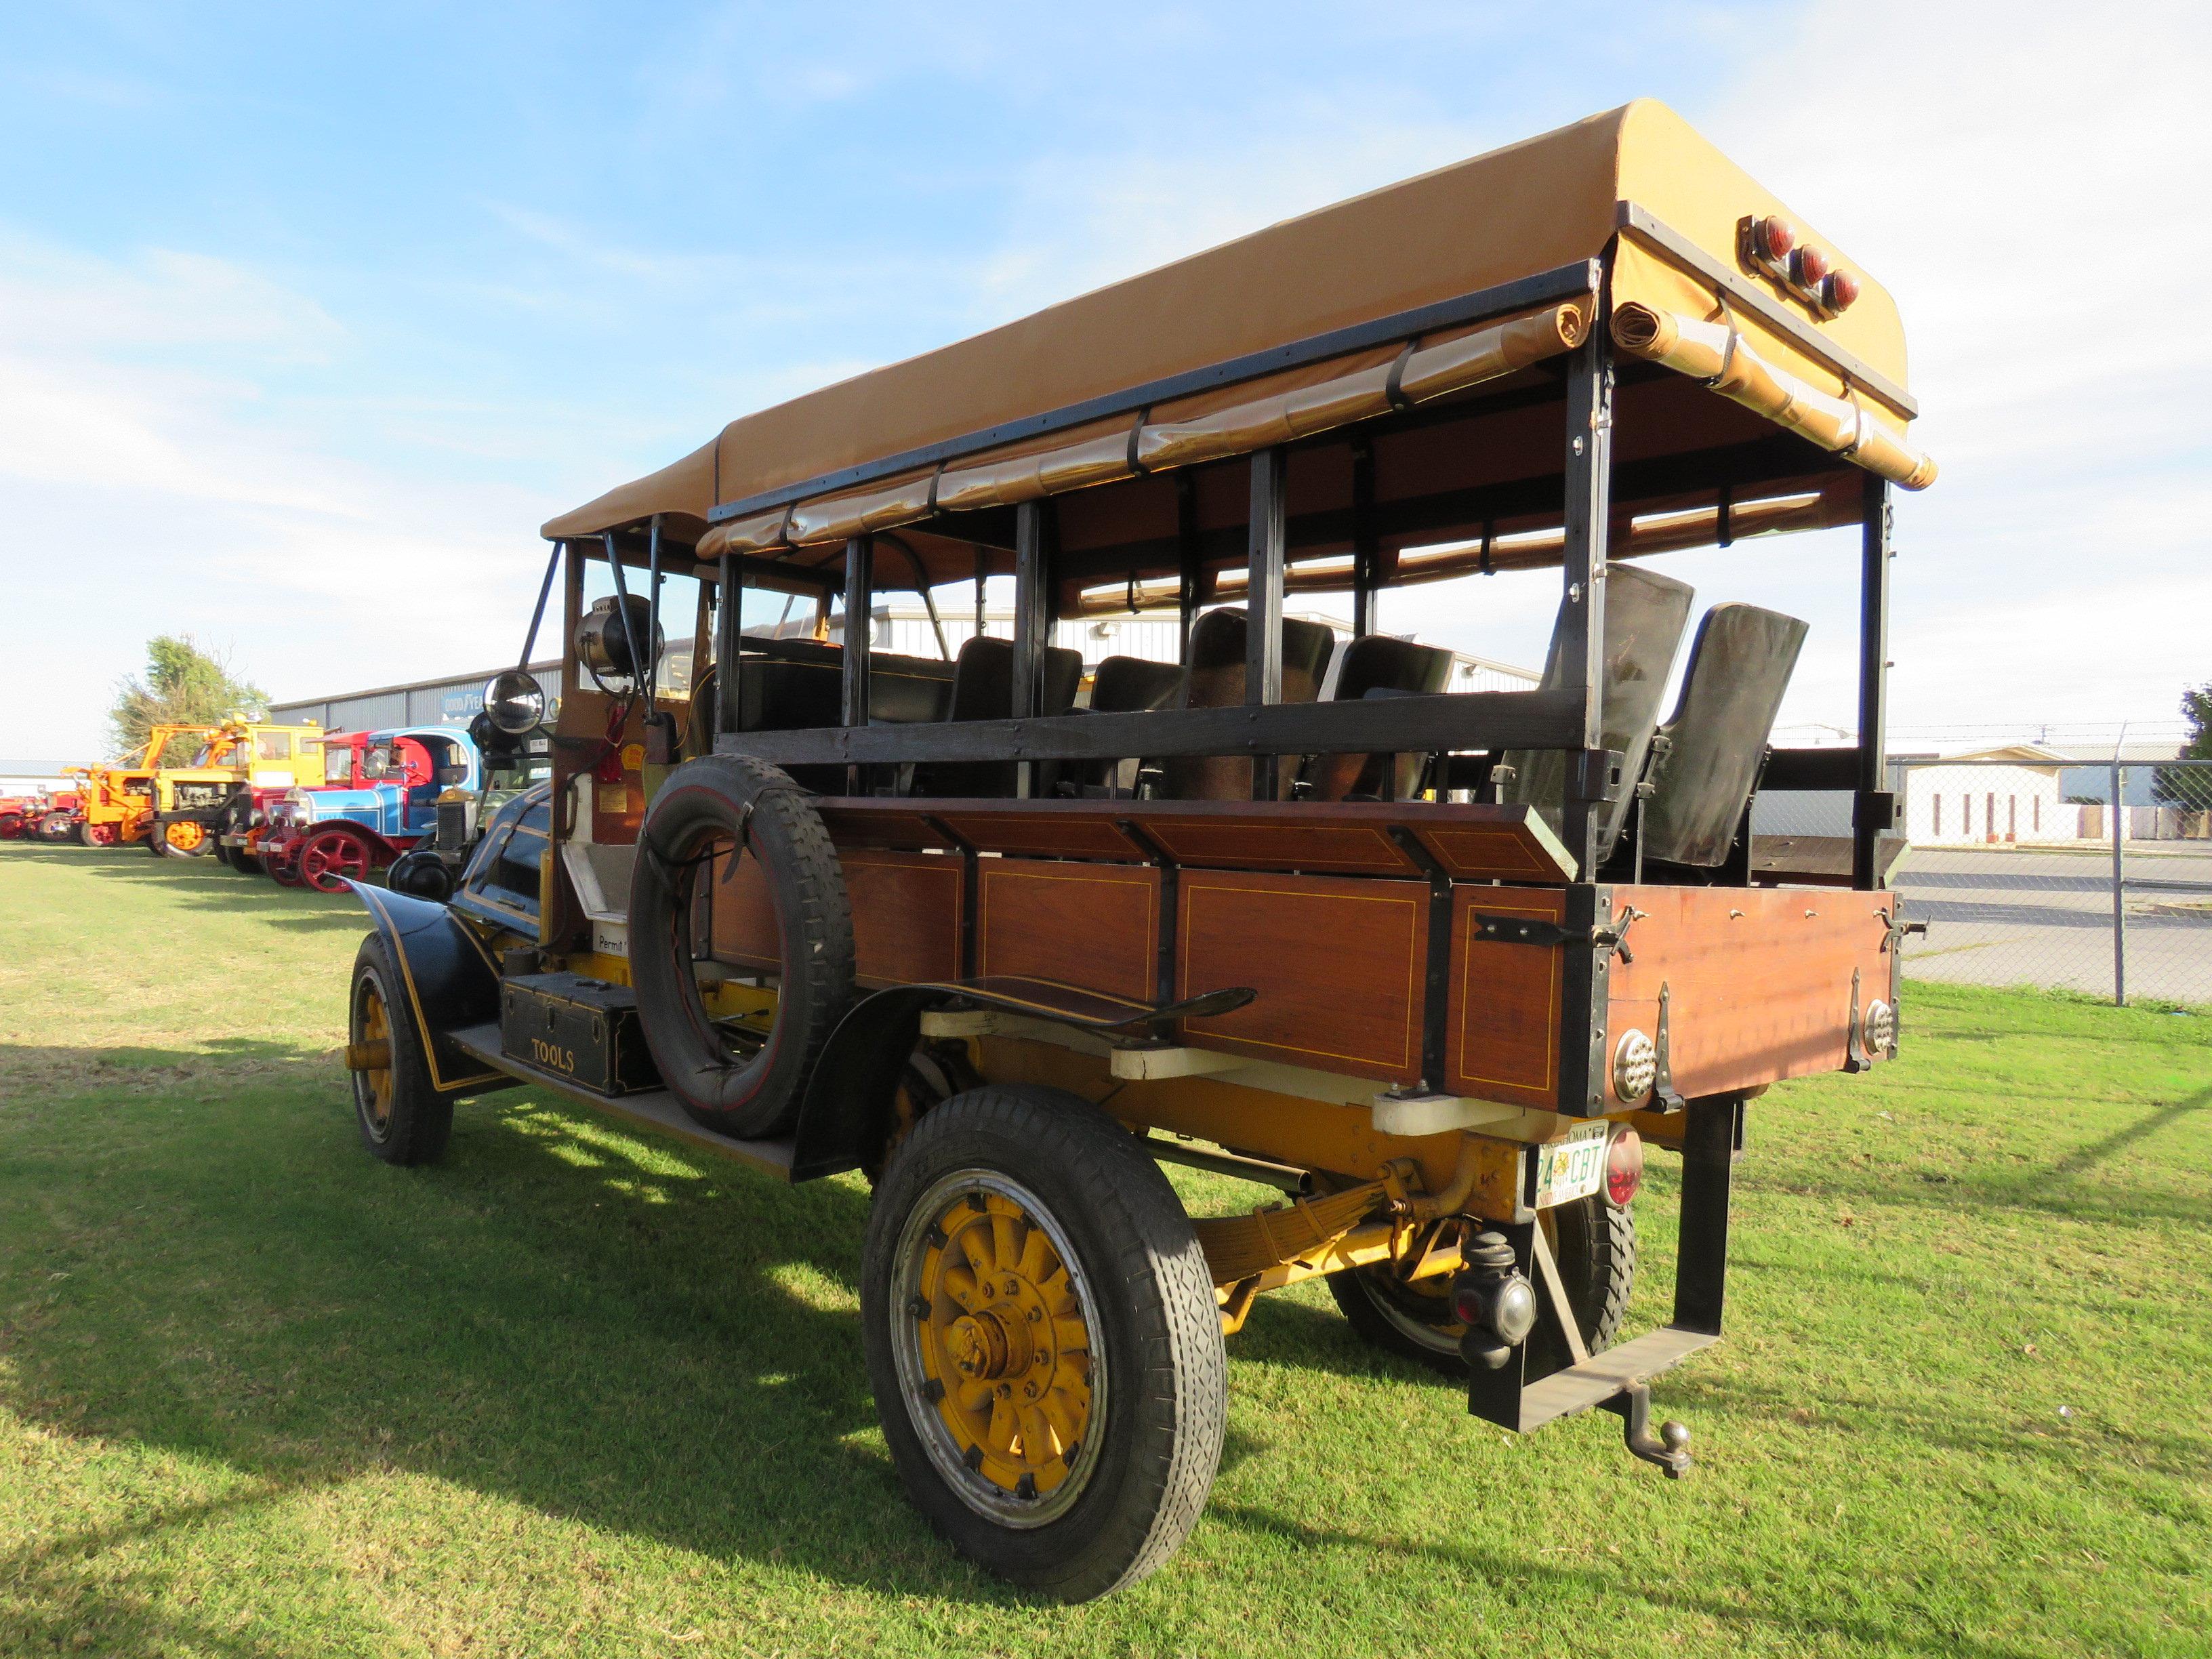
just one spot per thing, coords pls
(2119, 896)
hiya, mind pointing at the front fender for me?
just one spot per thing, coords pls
(451, 980)
(848, 1098)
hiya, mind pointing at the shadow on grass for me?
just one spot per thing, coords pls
(1600, 1585)
(592, 1325)
(205, 882)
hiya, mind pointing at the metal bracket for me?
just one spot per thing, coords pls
(1663, 1095)
(1594, 775)
(1535, 930)
(1854, 1052)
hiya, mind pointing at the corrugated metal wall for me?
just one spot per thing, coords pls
(427, 702)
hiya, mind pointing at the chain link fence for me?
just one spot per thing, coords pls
(2089, 877)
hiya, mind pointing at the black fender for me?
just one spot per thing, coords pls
(848, 1106)
(452, 982)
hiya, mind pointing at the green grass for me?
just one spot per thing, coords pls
(576, 1392)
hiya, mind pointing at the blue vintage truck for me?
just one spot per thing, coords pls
(381, 798)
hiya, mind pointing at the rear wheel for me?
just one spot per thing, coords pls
(1593, 1241)
(1043, 1341)
(330, 857)
(403, 1118)
(11, 825)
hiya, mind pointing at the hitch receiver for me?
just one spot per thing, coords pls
(1669, 1449)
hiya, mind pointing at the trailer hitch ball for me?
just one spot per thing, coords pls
(1494, 1302)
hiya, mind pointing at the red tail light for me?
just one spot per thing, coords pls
(1840, 292)
(1772, 238)
(1808, 267)
(1624, 1167)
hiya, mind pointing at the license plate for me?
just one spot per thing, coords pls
(1572, 1168)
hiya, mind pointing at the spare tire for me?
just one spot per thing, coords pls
(732, 1083)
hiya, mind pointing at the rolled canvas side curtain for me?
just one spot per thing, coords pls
(1718, 353)
(1425, 372)
(1107, 451)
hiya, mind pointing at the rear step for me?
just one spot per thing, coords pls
(650, 1109)
(1603, 1375)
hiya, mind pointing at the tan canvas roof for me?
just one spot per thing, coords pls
(1507, 217)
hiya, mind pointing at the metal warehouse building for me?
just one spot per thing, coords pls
(454, 701)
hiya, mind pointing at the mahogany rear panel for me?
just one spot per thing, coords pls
(1338, 964)
(1759, 981)
(1503, 1043)
(906, 916)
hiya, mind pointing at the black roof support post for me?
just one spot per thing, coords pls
(860, 589)
(1589, 509)
(1874, 805)
(1263, 631)
(729, 636)
(1365, 544)
(1190, 560)
(1032, 619)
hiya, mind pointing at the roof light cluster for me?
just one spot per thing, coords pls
(1775, 249)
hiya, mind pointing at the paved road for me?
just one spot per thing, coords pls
(2045, 918)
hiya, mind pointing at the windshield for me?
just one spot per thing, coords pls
(337, 763)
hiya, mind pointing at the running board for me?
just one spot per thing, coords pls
(652, 1109)
(1603, 1376)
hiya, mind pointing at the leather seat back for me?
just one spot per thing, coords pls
(1218, 651)
(983, 689)
(1378, 662)
(1739, 666)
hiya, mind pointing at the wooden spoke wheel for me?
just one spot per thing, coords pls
(403, 1117)
(1002, 1343)
(330, 857)
(1043, 1341)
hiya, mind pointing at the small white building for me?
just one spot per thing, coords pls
(2004, 797)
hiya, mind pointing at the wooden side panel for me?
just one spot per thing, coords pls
(906, 916)
(1503, 1043)
(1041, 834)
(744, 928)
(1759, 981)
(1504, 852)
(1351, 849)
(1337, 963)
(1094, 926)
(879, 823)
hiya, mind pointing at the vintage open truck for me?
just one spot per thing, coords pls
(1437, 967)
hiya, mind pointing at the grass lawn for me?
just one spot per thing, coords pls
(576, 1392)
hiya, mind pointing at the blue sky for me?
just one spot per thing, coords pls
(308, 316)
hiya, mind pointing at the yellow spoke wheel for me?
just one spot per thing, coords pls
(1000, 1347)
(372, 1088)
(184, 835)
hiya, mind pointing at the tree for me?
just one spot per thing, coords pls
(2188, 786)
(183, 685)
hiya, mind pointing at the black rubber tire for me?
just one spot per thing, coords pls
(1596, 1249)
(243, 862)
(725, 798)
(416, 1120)
(1165, 1369)
(221, 854)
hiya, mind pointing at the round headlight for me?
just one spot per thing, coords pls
(1635, 1067)
(514, 703)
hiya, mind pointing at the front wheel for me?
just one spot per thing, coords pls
(1043, 1341)
(330, 857)
(403, 1118)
